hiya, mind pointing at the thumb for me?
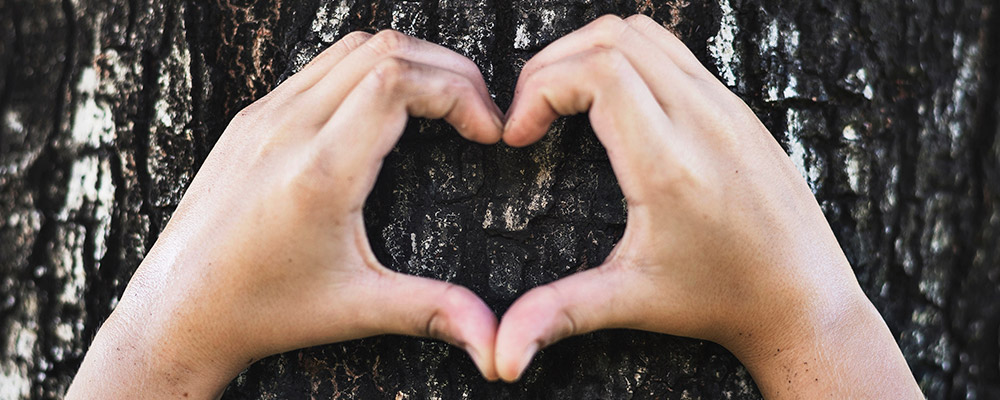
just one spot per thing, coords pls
(416, 306)
(580, 303)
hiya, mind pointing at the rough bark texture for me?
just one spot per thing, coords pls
(889, 108)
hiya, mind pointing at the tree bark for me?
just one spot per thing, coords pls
(888, 107)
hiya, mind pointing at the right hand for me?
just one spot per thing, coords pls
(724, 240)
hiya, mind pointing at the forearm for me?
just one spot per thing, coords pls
(846, 352)
(157, 343)
(124, 362)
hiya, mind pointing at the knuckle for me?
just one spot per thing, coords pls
(532, 66)
(609, 27)
(355, 39)
(467, 66)
(608, 21)
(350, 41)
(433, 328)
(454, 299)
(644, 23)
(538, 80)
(458, 85)
(607, 63)
(608, 56)
(390, 73)
(389, 41)
(640, 20)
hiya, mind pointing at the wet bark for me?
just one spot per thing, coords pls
(889, 108)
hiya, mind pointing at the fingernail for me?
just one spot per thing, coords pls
(526, 359)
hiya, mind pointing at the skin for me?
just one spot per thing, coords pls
(267, 251)
(724, 241)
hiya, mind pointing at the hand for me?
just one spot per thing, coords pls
(267, 251)
(724, 240)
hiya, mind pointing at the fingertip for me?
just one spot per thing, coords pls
(500, 115)
(512, 371)
(509, 373)
(484, 364)
(525, 124)
(480, 123)
(526, 325)
(498, 121)
(547, 314)
(485, 132)
(475, 327)
(514, 135)
(526, 357)
(482, 354)
(429, 308)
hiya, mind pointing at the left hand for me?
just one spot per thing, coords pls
(267, 251)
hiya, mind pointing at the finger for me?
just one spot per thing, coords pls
(667, 77)
(326, 95)
(415, 306)
(307, 77)
(627, 119)
(584, 302)
(374, 114)
(320, 65)
(669, 43)
(680, 53)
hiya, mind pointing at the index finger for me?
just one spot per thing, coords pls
(329, 92)
(623, 112)
(666, 71)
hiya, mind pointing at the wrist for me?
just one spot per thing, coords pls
(811, 296)
(154, 346)
(802, 324)
(133, 360)
(837, 344)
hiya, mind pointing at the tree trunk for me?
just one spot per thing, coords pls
(888, 107)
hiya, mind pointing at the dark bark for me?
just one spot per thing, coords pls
(889, 107)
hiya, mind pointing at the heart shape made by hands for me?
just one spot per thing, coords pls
(672, 134)
(268, 250)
